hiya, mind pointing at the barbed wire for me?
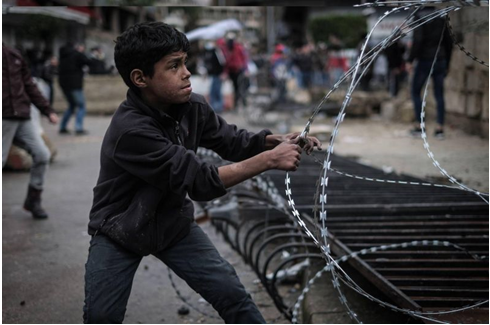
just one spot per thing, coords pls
(351, 284)
(389, 181)
(462, 3)
(461, 47)
(424, 134)
(323, 182)
(356, 73)
(371, 55)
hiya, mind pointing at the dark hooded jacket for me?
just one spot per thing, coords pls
(70, 69)
(149, 165)
(426, 40)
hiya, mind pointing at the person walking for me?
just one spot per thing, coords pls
(18, 92)
(396, 66)
(236, 67)
(424, 47)
(50, 69)
(215, 62)
(70, 72)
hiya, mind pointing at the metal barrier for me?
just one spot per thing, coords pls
(255, 221)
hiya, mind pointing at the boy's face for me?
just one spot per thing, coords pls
(170, 83)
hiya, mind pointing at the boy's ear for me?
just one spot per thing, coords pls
(137, 78)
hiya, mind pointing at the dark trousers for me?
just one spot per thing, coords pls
(110, 270)
(420, 76)
(239, 87)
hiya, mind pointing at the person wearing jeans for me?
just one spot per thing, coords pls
(424, 50)
(19, 91)
(70, 71)
(110, 270)
(75, 99)
(214, 62)
(420, 76)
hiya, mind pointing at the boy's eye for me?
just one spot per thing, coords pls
(177, 64)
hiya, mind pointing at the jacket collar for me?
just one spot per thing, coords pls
(135, 100)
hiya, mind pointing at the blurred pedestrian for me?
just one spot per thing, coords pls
(97, 62)
(72, 61)
(279, 66)
(365, 82)
(423, 51)
(303, 60)
(35, 61)
(337, 62)
(18, 92)
(214, 62)
(320, 60)
(236, 67)
(396, 66)
(50, 69)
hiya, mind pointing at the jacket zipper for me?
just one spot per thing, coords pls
(176, 129)
(177, 132)
(100, 227)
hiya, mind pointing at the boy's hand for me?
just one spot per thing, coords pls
(284, 153)
(308, 143)
(286, 156)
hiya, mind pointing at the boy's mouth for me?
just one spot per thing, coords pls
(187, 88)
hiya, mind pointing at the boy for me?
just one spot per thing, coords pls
(149, 166)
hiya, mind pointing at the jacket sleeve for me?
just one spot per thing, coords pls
(230, 142)
(157, 161)
(33, 92)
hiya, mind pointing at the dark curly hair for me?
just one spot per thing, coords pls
(144, 44)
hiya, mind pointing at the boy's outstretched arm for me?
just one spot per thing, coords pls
(285, 155)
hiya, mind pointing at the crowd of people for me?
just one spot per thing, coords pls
(316, 65)
(308, 65)
(228, 58)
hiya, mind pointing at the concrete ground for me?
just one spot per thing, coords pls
(43, 261)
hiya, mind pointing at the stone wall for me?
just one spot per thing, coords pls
(103, 94)
(466, 87)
